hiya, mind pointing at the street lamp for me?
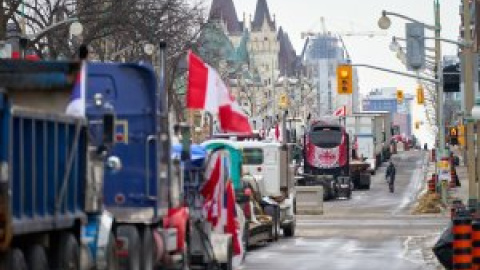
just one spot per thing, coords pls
(384, 22)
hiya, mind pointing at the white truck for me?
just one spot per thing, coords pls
(273, 179)
(386, 138)
(366, 132)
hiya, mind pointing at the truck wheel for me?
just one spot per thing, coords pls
(14, 260)
(289, 230)
(132, 244)
(37, 258)
(229, 264)
(67, 253)
(112, 260)
(274, 212)
(148, 249)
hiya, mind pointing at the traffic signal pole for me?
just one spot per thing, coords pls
(469, 97)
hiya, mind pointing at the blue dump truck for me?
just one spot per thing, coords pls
(51, 172)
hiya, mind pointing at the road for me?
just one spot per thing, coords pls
(373, 230)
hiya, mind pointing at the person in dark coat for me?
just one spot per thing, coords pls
(390, 176)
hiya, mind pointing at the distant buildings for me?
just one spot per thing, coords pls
(324, 52)
(384, 99)
(257, 53)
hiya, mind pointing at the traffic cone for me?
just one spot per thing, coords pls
(462, 241)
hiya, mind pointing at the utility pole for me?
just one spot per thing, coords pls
(469, 101)
(439, 85)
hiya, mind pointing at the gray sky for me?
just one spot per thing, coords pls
(296, 16)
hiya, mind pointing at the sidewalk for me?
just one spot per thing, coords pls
(454, 193)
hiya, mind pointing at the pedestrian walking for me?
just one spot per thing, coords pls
(390, 176)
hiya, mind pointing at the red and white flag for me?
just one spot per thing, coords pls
(232, 226)
(206, 91)
(213, 190)
(219, 207)
(342, 111)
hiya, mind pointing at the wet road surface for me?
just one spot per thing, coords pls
(373, 230)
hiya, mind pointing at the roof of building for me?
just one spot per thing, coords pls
(287, 57)
(262, 12)
(224, 10)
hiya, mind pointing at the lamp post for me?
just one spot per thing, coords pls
(469, 101)
(384, 23)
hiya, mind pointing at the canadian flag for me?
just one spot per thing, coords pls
(206, 91)
(342, 111)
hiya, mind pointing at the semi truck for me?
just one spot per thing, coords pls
(367, 131)
(149, 218)
(387, 132)
(327, 158)
(51, 172)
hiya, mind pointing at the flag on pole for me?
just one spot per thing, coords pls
(342, 111)
(76, 107)
(206, 91)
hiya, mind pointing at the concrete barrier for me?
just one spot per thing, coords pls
(309, 200)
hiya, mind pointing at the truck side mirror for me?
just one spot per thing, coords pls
(108, 129)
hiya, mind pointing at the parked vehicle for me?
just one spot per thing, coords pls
(367, 129)
(259, 226)
(51, 172)
(150, 219)
(271, 166)
(387, 131)
(202, 237)
(327, 158)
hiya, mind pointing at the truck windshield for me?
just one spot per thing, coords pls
(252, 156)
(327, 137)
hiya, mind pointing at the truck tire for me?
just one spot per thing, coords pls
(129, 234)
(289, 230)
(148, 249)
(112, 259)
(37, 258)
(67, 253)
(229, 264)
(14, 260)
(274, 212)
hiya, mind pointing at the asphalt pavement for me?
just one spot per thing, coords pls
(372, 230)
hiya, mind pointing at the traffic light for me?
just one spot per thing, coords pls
(417, 125)
(399, 96)
(283, 103)
(453, 136)
(344, 80)
(420, 95)
(415, 33)
(461, 135)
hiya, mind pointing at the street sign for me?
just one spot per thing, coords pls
(451, 78)
(444, 170)
(415, 33)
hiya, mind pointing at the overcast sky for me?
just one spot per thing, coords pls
(296, 16)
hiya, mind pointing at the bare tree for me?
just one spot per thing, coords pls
(7, 11)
